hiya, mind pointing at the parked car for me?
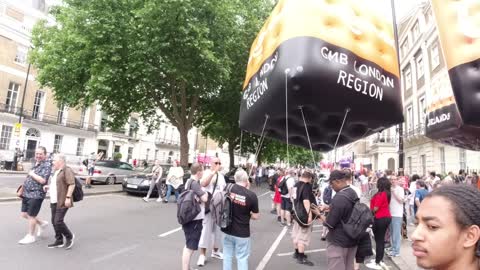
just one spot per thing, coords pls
(108, 171)
(140, 183)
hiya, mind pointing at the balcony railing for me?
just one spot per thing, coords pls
(385, 139)
(160, 141)
(46, 118)
(418, 130)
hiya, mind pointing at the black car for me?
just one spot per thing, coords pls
(140, 183)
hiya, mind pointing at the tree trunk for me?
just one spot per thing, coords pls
(184, 147)
(231, 154)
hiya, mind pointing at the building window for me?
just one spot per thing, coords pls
(83, 124)
(61, 115)
(103, 122)
(57, 143)
(421, 110)
(130, 152)
(408, 78)
(442, 159)
(416, 30)
(148, 154)
(5, 137)
(435, 56)
(410, 118)
(156, 154)
(463, 159)
(164, 132)
(423, 160)
(21, 56)
(12, 95)
(420, 68)
(37, 103)
(132, 127)
(409, 164)
(405, 47)
(80, 144)
(171, 135)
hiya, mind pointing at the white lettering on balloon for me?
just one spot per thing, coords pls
(438, 119)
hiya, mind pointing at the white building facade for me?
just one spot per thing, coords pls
(423, 69)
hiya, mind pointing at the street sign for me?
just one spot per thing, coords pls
(18, 128)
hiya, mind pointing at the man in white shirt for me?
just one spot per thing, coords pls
(286, 206)
(396, 209)
(212, 181)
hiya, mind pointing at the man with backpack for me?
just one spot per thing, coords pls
(343, 234)
(244, 207)
(190, 213)
(285, 188)
(303, 217)
(62, 186)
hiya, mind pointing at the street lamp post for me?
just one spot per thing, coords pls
(20, 119)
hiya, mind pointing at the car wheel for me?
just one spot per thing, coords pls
(163, 190)
(110, 180)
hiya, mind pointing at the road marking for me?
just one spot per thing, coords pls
(170, 232)
(113, 254)
(306, 252)
(268, 192)
(317, 226)
(316, 231)
(266, 258)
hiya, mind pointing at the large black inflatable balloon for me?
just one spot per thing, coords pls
(325, 57)
(454, 118)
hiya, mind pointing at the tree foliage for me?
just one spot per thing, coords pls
(138, 56)
(219, 116)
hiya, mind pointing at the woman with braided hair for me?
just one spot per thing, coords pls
(448, 233)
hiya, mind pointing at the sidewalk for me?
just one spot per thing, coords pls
(406, 260)
(12, 172)
(8, 194)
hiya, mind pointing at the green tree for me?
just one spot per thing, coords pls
(219, 115)
(274, 150)
(138, 56)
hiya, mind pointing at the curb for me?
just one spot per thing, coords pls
(13, 172)
(11, 199)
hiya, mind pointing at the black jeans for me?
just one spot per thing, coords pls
(379, 229)
(61, 229)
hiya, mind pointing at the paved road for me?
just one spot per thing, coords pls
(122, 232)
(11, 180)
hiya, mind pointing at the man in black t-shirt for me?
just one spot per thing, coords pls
(301, 232)
(237, 236)
(341, 249)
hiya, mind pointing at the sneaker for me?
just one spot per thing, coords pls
(304, 261)
(28, 239)
(295, 255)
(217, 255)
(201, 260)
(159, 199)
(41, 227)
(273, 212)
(283, 223)
(57, 244)
(373, 265)
(165, 201)
(323, 238)
(145, 199)
(279, 219)
(70, 242)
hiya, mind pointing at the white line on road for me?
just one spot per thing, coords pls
(269, 254)
(170, 232)
(113, 254)
(317, 226)
(268, 192)
(306, 252)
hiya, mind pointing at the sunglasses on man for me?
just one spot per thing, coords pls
(217, 163)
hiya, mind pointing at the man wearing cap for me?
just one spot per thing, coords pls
(340, 248)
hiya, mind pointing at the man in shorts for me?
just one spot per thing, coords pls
(301, 232)
(286, 206)
(33, 195)
(193, 229)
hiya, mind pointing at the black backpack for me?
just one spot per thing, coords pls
(327, 195)
(85, 162)
(360, 219)
(187, 206)
(77, 194)
(282, 187)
